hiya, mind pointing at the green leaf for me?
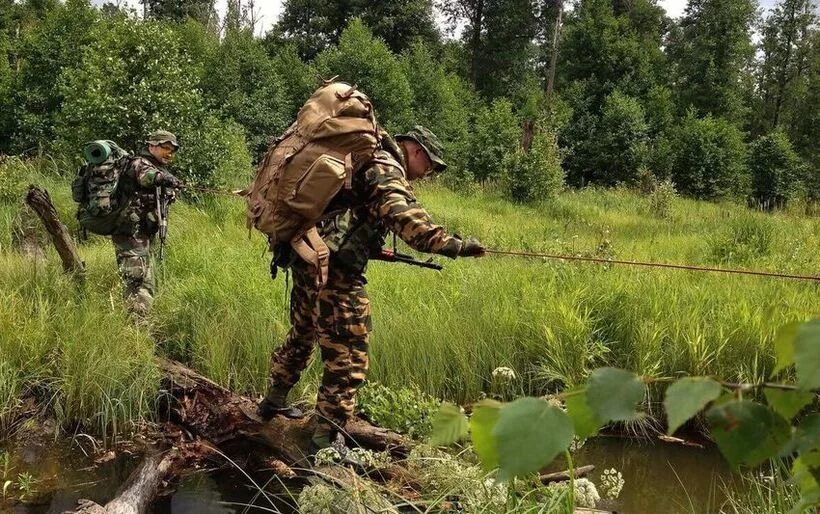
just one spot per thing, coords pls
(807, 355)
(784, 347)
(747, 432)
(613, 394)
(807, 434)
(482, 423)
(805, 476)
(787, 403)
(449, 425)
(687, 397)
(530, 433)
(585, 422)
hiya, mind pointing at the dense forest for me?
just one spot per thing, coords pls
(531, 95)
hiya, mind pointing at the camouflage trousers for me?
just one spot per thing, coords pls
(338, 316)
(134, 262)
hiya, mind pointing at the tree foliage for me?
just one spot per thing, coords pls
(711, 49)
(496, 133)
(363, 60)
(534, 175)
(180, 10)
(56, 44)
(242, 82)
(314, 26)
(776, 170)
(709, 158)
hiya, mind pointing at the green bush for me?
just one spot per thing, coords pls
(133, 78)
(661, 198)
(215, 155)
(709, 158)
(406, 410)
(442, 101)
(609, 148)
(53, 47)
(242, 82)
(537, 174)
(12, 180)
(776, 170)
(496, 133)
(299, 79)
(366, 61)
(620, 141)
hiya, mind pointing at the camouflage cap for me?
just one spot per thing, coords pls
(159, 137)
(429, 142)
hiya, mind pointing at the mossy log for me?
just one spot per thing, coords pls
(202, 416)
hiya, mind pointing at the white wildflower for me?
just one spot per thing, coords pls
(586, 494)
(316, 499)
(327, 456)
(611, 483)
(504, 373)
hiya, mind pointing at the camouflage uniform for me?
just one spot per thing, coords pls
(338, 316)
(133, 241)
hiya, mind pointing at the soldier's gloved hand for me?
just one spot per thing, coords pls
(166, 179)
(472, 247)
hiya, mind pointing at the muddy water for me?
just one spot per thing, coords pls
(659, 479)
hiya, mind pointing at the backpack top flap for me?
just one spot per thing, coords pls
(335, 133)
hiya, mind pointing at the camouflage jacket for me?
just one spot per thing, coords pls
(141, 182)
(381, 200)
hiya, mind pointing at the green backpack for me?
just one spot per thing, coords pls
(98, 189)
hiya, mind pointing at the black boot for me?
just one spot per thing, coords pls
(276, 404)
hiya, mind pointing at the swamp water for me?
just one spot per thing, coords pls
(659, 478)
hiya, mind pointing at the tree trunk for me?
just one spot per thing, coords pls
(475, 41)
(556, 31)
(39, 200)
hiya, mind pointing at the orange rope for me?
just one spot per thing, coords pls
(658, 265)
(815, 278)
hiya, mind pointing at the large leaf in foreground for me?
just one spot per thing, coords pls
(787, 403)
(482, 423)
(585, 421)
(784, 347)
(747, 432)
(530, 433)
(449, 425)
(613, 394)
(687, 397)
(807, 355)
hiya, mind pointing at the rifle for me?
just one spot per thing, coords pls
(394, 256)
(164, 200)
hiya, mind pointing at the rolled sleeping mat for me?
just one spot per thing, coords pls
(98, 151)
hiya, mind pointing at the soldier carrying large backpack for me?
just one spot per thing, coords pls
(118, 196)
(326, 195)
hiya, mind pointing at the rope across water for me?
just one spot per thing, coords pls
(688, 267)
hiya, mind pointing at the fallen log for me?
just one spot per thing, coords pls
(563, 476)
(211, 412)
(40, 201)
(207, 415)
(145, 483)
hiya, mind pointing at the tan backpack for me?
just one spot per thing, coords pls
(335, 134)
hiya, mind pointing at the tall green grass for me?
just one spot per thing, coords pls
(550, 321)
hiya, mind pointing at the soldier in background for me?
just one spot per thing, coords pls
(133, 242)
(338, 316)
